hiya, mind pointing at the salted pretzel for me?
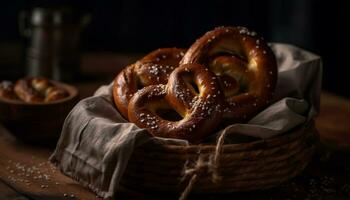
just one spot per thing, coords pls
(38, 90)
(245, 65)
(188, 107)
(152, 69)
(7, 90)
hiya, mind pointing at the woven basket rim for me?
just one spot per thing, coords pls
(277, 140)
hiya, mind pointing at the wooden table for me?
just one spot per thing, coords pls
(26, 174)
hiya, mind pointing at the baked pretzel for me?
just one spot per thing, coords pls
(38, 90)
(7, 90)
(193, 93)
(152, 69)
(245, 65)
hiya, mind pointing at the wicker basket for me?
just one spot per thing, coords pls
(157, 168)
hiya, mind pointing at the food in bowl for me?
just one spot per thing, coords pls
(32, 90)
(33, 109)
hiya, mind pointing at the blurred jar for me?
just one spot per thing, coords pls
(53, 37)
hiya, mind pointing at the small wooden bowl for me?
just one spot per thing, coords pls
(37, 123)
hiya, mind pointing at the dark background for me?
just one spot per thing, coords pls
(132, 26)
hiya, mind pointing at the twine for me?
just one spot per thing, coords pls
(203, 166)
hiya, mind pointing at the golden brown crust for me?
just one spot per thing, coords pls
(38, 90)
(199, 108)
(245, 65)
(152, 69)
(124, 87)
(230, 72)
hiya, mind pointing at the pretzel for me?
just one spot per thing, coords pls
(7, 90)
(152, 69)
(192, 92)
(245, 65)
(38, 90)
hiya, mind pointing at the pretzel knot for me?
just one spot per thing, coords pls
(187, 107)
(33, 90)
(152, 69)
(245, 66)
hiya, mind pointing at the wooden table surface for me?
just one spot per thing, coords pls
(26, 174)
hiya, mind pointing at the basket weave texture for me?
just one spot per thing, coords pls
(159, 168)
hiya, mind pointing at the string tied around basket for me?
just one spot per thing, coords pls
(203, 165)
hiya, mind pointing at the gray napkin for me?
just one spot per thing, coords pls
(96, 142)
